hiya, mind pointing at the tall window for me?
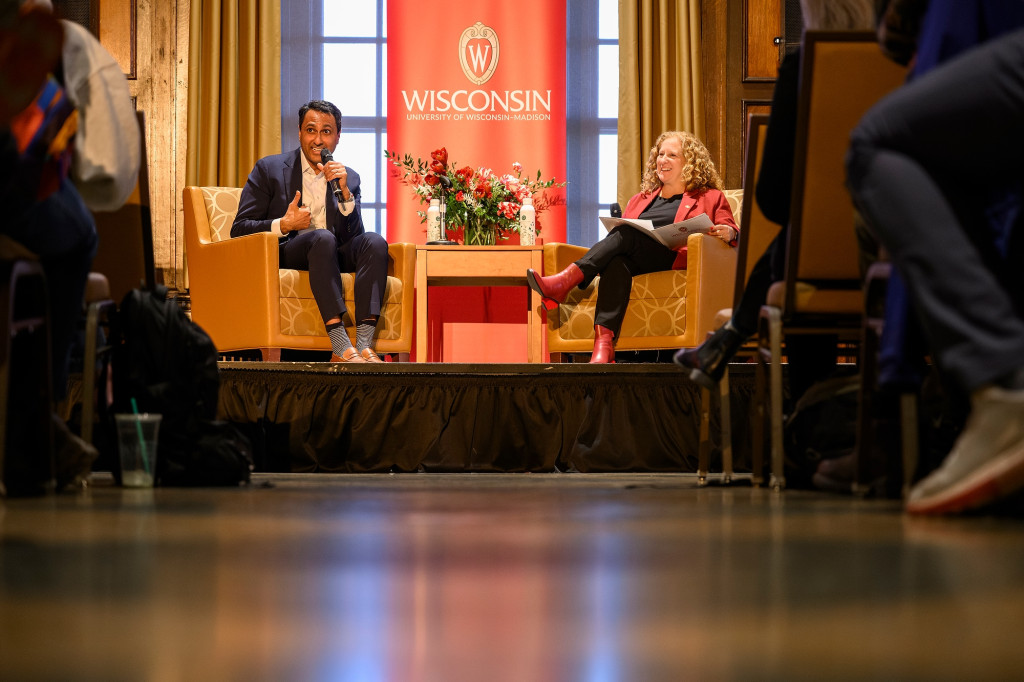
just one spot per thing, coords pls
(337, 50)
(592, 110)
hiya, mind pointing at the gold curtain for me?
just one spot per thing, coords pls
(660, 84)
(234, 94)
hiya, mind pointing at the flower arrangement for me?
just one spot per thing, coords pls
(485, 204)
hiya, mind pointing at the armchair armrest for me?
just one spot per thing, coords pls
(711, 278)
(402, 261)
(558, 256)
(402, 265)
(230, 280)
(235, 280)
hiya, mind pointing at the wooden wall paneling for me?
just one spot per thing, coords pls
(117, 29)
(732, 88)
(180, 94)
(714, 47)
(144, 37)
(762, 30)
(756, 106)
(732, 175)
(752, 107)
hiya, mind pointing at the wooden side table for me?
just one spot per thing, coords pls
(478, 266)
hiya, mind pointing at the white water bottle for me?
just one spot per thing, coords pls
(434, 221)
(527, 223)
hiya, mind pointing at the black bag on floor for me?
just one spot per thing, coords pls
(168, 364)
(823, 425)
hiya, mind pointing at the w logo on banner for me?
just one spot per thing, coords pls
(478, 53)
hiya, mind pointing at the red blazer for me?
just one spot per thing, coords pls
(710, 201)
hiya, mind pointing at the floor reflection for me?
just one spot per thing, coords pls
(502, 577)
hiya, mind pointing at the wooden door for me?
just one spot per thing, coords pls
(744, 44)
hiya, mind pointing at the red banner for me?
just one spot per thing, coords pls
(486, 83)
(485, 80)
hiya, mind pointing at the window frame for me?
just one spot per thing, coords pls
(302, 39)
(583, 126)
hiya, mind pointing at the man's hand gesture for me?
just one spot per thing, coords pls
(296, 217)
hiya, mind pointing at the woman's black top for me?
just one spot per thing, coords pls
(662, 211)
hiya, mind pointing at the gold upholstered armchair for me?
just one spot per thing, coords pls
(244, 301)
(669, 309)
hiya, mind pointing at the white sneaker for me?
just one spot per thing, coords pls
(986, 462)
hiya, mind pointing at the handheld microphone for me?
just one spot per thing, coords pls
(616, 211)
(325, 157)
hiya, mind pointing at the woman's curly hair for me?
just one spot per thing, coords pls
(698, 168)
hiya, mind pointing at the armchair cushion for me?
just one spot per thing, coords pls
(300, 316)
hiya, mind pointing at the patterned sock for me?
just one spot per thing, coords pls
(364, 335)
(339, 338)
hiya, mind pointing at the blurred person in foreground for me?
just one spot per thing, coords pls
(955, 238)
(46, 218)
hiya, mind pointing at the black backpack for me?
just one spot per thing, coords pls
(168, 365)
(823, 425)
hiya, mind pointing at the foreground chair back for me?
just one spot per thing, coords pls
(244, 301)
(25, 361)
(756, 233)
(668, 309)
(842, 76)
(124, 261)
(125, 257)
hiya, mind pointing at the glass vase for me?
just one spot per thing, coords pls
(480, 233)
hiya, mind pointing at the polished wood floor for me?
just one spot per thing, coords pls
(496, 577)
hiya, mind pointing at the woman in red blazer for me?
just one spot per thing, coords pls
(680, 182)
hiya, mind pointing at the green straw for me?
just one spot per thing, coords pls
(142, 440)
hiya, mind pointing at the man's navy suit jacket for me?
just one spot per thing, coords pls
(271, 187)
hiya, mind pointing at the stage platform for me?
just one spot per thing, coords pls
(447, 417)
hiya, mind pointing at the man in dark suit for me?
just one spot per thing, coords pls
(290, 195)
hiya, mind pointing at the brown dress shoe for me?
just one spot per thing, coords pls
(369, 356)
(350, 355)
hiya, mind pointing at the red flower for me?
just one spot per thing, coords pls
(431, 179)
(466, 173)
(482, 189)
(508, 209)
(440, 155)
(460, 196)
(437, 167)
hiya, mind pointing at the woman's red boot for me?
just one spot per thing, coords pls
(555, 288)
(604, 345)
